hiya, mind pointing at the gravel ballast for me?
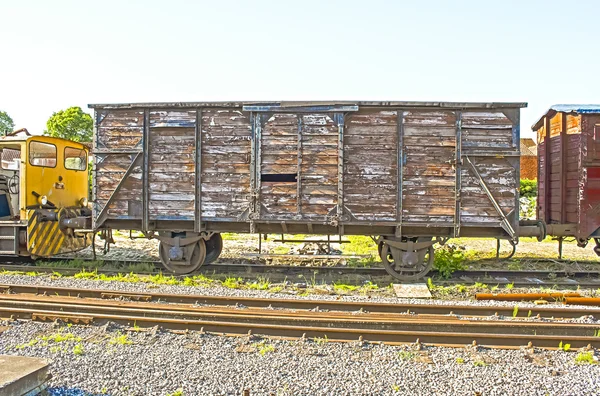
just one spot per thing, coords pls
(219, 290)
(118, 361)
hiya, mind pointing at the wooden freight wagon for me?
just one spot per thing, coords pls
(569, 172)
(411, 173)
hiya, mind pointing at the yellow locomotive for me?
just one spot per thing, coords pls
(43, 196)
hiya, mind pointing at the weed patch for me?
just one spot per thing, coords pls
(406, 355)
(233, 283)
(585, 358)
(448, 259)
(120, 339)
(78, 350)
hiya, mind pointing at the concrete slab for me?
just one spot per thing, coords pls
(22, 375)
(411, 290)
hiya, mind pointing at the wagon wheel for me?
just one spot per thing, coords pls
(407, 272)
(180, 267)
(214, 246)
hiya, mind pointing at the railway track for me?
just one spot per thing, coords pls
(388, 323)
(519, 278)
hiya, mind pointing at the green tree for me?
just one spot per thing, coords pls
(72, 124)
(6, 123)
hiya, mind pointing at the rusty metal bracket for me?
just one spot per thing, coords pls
(505, 224)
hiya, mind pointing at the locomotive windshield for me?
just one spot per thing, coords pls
(42, 154)
(75, 159)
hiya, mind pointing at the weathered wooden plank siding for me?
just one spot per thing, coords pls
(171, 162)
(487, 131)
(279, 157)
(589, 176)
(297, 173)
(226, 143)
(319, 165)
(118, 130)
(429, 145)
(371, 165)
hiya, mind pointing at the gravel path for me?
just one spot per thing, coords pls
(116, 362)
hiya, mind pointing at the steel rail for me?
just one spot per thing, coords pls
(305, 318)
(451, 331)
(500, 277)
(306, 304)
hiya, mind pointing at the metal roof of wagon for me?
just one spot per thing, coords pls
(568, 108)
(283, 104)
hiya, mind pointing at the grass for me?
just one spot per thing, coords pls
(233, 283)
(178, 392)
(321, 341)
(263, 348)
(564, 347)
(54, 339)
(460, 360)
(260, 284)
(479, 363)
(78, 350)
(406, 355)
(282, 249)
(585, 358)
(120, 339)
(515, 311)
(448, 259)
(342, 288)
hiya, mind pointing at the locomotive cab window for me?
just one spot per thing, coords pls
(42, 154)
(75, 159)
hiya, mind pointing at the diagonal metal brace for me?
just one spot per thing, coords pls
(104, 213)
(505, 223)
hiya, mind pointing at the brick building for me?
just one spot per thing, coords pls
(529, 159)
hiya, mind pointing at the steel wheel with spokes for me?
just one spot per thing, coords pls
(181, 268)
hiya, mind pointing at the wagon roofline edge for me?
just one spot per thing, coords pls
(569, 109)
(283, 104)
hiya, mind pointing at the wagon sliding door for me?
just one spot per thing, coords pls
(298, 165)
(428, 170)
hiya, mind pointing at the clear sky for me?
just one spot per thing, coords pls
(57, 54)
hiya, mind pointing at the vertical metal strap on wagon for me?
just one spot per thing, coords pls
(339, 119)
(198, 172)
(516, 135)
(145, 170)
(255, 169)
(547, 169)
(563, 170)
(94, 191)
(251, 198)
(457, 171)
(400, 170)
(299, 174)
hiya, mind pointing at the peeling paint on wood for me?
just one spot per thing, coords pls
(357, 177)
